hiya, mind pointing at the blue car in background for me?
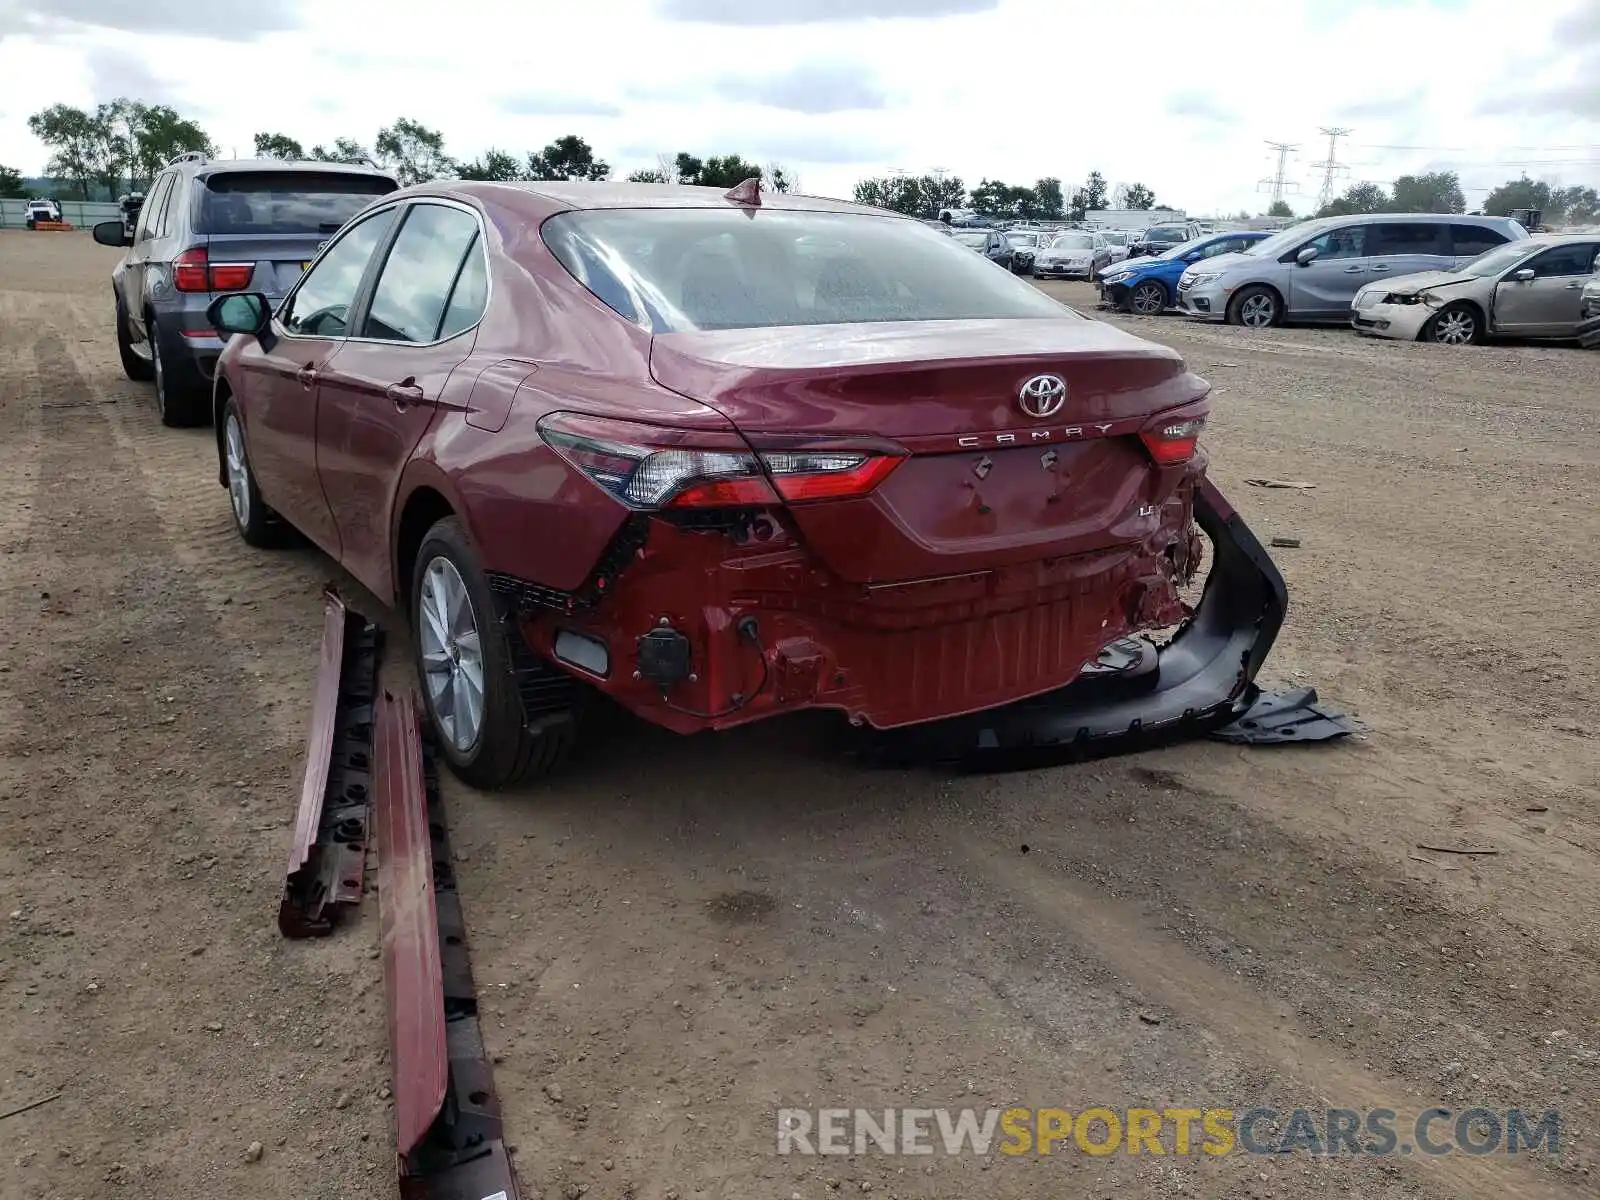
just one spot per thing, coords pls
(1149, 286)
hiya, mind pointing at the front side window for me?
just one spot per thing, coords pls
(680, 269)
(320, 307)
(1348, 242)
(420, 273)
(1563, 261)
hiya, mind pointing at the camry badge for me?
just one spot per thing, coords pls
(1042, 396)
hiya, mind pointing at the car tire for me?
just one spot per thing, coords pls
(253, 517)
(1255, 307)
(1458, 324)
(500, 749)
(1148, 299)
(141, 370)
(181, 397)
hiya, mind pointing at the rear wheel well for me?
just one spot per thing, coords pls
(424, 508)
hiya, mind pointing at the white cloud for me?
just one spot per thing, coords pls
(838, 89)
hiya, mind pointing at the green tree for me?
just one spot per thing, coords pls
(728, 171)
(1280, 208)
(1361, 198)
(646, 176)
(11, 184)
(1577, 205)
(76, 143)
(1139, 197)
(1047, 198)
(344, 150)
(1433, 192)
(278, 145)
(1517, 193)
(567, 157)
(160, 136)
(414, 152)
(494, 165)
(779, 178)
(687, 168)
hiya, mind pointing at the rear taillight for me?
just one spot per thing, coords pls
(647, 467)
(191, 272)
(1173, 440)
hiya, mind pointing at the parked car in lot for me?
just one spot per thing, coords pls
(1076, 254)
(1312, 271)
(1589, 327)
(990, 243)
(40, 210)
(1117, 241)
(1531, 288)
(1149, 286)
(1158, 239)
(1025, 246)
(217, 226)
(597, 437)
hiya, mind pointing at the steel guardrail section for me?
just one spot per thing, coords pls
(327, 854)
(447, 1114)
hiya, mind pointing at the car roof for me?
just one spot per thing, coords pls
(226, 166)
(539, 199)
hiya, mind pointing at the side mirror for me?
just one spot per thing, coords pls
(1192, 257)
(1523, 276)
(1306, 256)
(112, 233)
(240, 312)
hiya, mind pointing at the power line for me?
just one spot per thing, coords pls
(1278, 182)
(1331, 167)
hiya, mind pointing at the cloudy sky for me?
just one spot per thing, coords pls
(840, 89)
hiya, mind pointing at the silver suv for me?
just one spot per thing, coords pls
(1313, 270)
(241, 225)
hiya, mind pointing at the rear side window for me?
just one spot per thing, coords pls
(420, 274)
(1406, 237)
(303, 202)
(677, 269)
(1475, 239)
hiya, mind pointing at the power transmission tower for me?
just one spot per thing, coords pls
(1279, 183)
(1332, 168)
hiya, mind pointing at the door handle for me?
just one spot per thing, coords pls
(405, 393)
(1355, 270)
(1572, 287)
(307, 375)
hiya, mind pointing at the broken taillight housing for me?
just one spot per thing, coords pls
(1172, 437)
(650, 467)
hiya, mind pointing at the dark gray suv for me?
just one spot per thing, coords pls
(244, 225)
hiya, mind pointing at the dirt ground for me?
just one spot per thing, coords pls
(677, 937)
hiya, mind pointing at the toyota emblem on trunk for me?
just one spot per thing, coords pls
(1042, 396)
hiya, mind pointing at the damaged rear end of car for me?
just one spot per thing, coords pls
(920, 509)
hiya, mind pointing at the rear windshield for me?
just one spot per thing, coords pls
(285, 201)
(679, 269)
(1164, 233)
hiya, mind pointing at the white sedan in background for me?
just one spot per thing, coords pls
(1076, 254)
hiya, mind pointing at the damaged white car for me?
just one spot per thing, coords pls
(1532, 288)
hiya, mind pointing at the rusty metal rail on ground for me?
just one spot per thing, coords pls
(447, 1115)
(327, 857)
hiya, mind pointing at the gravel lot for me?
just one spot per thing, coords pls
(679, 936)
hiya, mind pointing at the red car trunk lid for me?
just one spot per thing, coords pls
(986, 483)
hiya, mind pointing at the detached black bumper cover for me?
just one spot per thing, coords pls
(1198, 682)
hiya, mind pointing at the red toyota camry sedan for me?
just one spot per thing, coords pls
(724, 455)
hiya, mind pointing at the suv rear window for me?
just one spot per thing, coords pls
(285, 201)
(678, 269)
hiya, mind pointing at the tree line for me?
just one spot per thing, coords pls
(1440, 192)
(927, 195)
(125, 144)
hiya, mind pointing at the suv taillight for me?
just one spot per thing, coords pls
(193, 272)
(648, 467)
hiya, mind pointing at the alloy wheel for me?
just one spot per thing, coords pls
(452, 654)
(1455, 328)
(1148, 299)
(238, 471)
(1257, 311)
